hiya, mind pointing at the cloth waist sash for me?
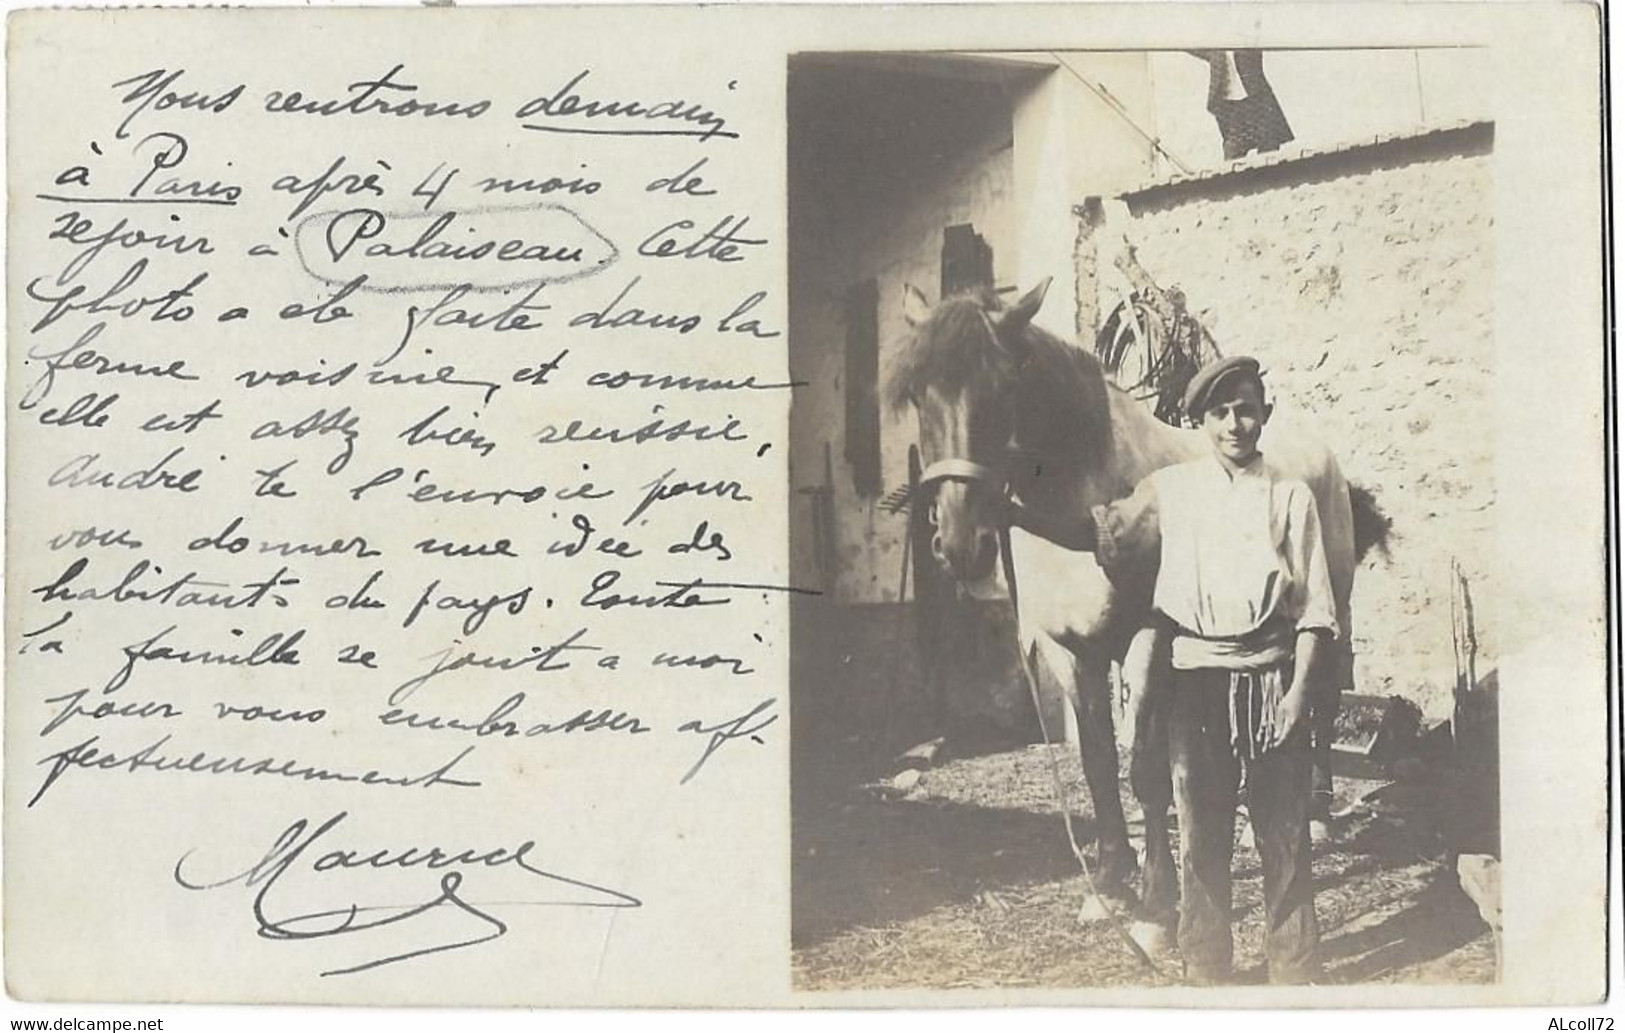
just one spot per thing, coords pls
(1255, 706)
(1269, 645)
(1259, 669)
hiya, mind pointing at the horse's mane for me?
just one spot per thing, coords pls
(1067, 409)
(949, 350)
(1064, 412)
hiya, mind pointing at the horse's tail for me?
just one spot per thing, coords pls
(1372, 526)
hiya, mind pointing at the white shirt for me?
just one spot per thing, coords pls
(1241, 553)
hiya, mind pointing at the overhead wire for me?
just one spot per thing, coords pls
(1122, 112)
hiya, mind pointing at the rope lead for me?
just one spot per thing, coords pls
(1028, 665)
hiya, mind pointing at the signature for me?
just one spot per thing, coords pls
(295, 850)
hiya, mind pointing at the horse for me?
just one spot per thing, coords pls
(1011, 415)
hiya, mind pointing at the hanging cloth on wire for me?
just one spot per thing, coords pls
(1242, 102)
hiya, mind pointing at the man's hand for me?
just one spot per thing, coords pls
(1292, 717)
(1293, 714)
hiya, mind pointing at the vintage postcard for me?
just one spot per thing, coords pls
(800, 506)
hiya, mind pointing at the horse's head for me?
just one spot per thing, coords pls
(960, 374)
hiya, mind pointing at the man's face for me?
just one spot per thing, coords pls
(1235, 416)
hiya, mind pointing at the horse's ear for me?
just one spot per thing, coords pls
(916, 310)
(1023, 311)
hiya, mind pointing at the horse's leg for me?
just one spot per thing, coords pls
(1146, 671)
(1097, 746)
(1115, 867)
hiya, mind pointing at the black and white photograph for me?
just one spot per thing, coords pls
(1146, 462)
(852, 510)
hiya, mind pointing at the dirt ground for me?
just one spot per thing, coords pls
(967, 881)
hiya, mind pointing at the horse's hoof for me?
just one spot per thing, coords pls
(1095, 908)
(1153, 937)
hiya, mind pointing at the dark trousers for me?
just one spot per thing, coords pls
(1337, 676)
(1323, 728)
(1206, 777)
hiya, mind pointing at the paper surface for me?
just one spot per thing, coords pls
(399, 597)
(408, 451)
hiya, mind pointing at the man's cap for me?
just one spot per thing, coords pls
(1208, 379)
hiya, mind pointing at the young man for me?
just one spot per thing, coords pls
(1244, 580)
(1244, 587)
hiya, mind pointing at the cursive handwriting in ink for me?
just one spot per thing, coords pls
(448, 311)
(703, 540)
(277, 648)
(500, 722)
(723, 242)
(657, 429)
(88, 756)
(72, 707)
(187, 590)
(663, 487)
(479, 608)
(682, 596)
(745, 726)
(328, 181)
(540, 660)
(157, 89)
(87, 470)
(319, 423)
(99, 537)
(295, 850)
(168, 306)
(80, 356)
(92, 240)
(683, 382)
(385, 95)
(576, 114)
(227, 540)
(687, 183)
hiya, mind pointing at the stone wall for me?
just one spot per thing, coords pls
(1363, 280)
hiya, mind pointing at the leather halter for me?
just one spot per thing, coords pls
(960, 470)
(955, 468)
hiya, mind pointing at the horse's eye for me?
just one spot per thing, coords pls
(931, 513)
